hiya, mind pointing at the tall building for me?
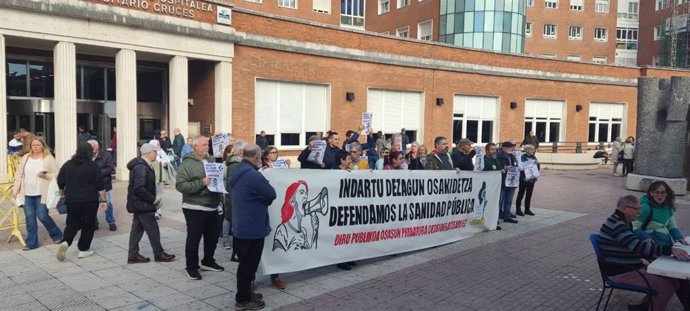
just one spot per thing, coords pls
(664, 39)
(627, 32)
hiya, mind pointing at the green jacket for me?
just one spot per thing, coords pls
(189, 175)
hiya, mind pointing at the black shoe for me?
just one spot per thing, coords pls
(638, 307)
(193, 274)
(212, 267)
(513, 216)
(498, 228)
(344, 266)
(519, 213)
(510, 220)
(528, 212)
(257, 297)
(249, 305)
(351, 263)
(112, 227)
(138, 259)
(165, 257)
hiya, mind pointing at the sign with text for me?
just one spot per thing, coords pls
(214, 171)
(326, 217)
(198, 10)
(218, 143)
(317, 152)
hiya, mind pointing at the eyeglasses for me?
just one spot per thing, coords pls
(637, 208)
(659, 192)
(273, 152)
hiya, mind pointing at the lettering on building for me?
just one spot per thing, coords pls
(191, 9)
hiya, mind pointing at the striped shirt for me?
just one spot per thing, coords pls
(622, 249)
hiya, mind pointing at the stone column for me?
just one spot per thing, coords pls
(126, 110)
(179, 94)
(65, 103)
(3, 110)
(223, 91)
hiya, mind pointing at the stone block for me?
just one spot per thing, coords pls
(638, 182)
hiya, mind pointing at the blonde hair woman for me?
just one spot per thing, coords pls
(35, 170)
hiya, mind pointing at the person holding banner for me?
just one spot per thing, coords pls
(526, 185)
(462, 156)
(251, 195)
(201, 209)
(506, 160)
(269, 156)
(358, 163)
(439, 159)
(303, 157)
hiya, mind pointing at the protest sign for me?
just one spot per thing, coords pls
(531, 169)
(316, 154)
(280, 163)
(513, 177)
(218, 143)
(214, 171)
(326, 217)
(366, 123)
(478, 158)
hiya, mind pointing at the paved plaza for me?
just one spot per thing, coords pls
(543, 263)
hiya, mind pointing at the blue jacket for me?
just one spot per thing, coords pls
(251, 195)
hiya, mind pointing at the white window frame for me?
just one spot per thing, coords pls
(324, 7)
(601, 34)
(599, 59)
(657, 33)
(656, 60)
(403, 3)
(661, 4)
(479, 114)
(603, 114)
(628, 37)
(551, 4)
(601, 6)
(528, 29)
(574, 58)
(575, 33)
(254, 1)
(398, 110)
(288, 4)
(275, 104)
(549, 55)
(431, 30)
(403, 30)
(633, 10)
(350, 20)
(384, 6)
(553, 115)
(552, 30)
(577, 5)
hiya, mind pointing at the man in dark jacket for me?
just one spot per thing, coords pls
(142, 202)
(329, 156)
(462, 157)
(251, 196)
(201, 208)
(506, 159)
(177, 145)
(105, 162)
(262, 140)
(304, 155)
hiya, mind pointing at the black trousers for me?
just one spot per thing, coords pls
(145, 222)
(80, 216)
(528, 187)
(628, 166)
(201, 223)
(249, 255)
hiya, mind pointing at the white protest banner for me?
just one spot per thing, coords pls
(326, 217)
(531, 170)
(214, 171)
(316, 154)
(366, 123)
(513, 177)
(218, 143)
(280, 163)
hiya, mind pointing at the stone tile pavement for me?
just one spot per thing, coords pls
(543, 263)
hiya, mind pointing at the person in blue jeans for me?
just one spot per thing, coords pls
(506, 159)
(33, 175)
(107, 166)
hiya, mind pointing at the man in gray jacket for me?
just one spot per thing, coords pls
(202, 209)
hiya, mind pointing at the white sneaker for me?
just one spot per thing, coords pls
(62, 249)
(615, 174)
(84, 254)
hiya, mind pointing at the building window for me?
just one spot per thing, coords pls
(574, 58)
(384, 6)
(403, 3)
(657, 33)
(29, 78)
(403, 32)
(528, 29)
(605, 122)
(474, 118)
(289, 112)
(424, 30)
(550, 31)
(601, 6)
(322, 6)
(530, 2)
(661, 4)
(352, 13)
(626, 38)
(255, 1)
(575, 33)
(551, 4)
(633, 10)
(600, 34)
(291, 4)
(395, 110)
(655, 60)
(545, 118)
(576, 5)
(549, 55)
(599, 59)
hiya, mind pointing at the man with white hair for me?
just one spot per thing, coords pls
(105, 162)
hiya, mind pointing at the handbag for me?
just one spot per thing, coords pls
(62, 206)
(53, 195)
